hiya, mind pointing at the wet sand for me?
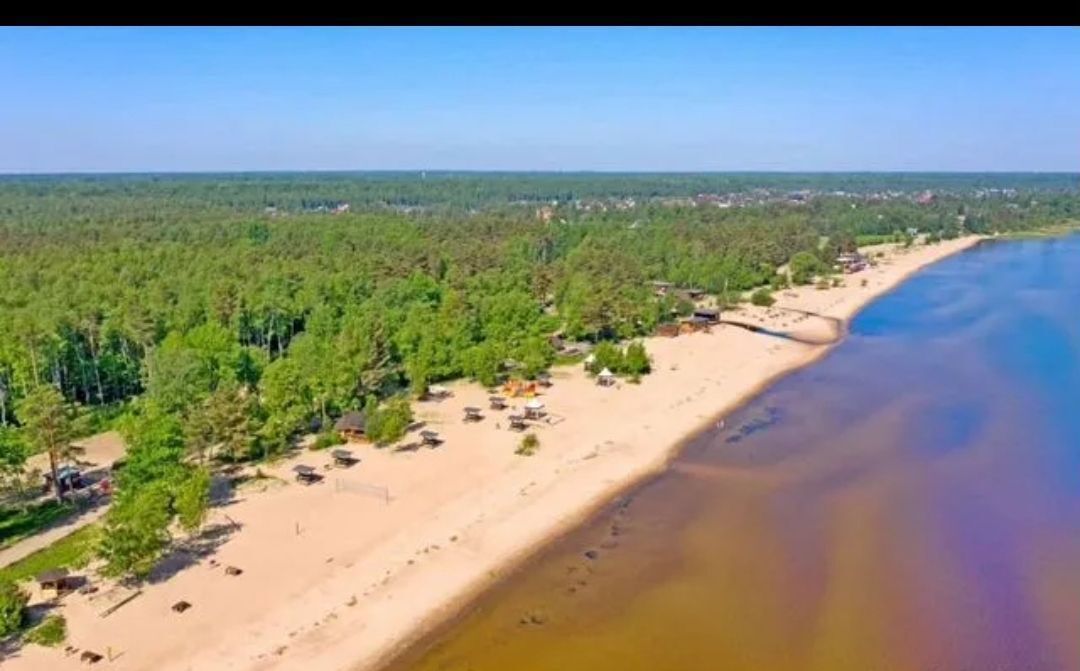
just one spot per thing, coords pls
(910, 503)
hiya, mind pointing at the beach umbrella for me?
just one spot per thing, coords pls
(534, 405)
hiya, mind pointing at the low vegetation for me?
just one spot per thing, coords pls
(19, 522)
(762, 297)
(75, 550)
(529, 445)
(327, 439)
(13, 602)
(50, 633)
(632, 362)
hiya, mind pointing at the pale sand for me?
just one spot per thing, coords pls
(334, 577)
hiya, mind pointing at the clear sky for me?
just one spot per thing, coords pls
(207, 99)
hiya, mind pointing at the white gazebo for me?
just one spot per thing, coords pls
(606, 378)
(534, 409)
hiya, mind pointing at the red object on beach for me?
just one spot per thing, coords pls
(106, 487)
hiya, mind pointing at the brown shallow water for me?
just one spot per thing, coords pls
(911, 503)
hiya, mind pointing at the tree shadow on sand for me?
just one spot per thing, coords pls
(11, 645)
(191, 551)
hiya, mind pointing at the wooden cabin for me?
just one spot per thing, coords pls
(694, 324)
(710, 315)
(351, 425)
(57, 580)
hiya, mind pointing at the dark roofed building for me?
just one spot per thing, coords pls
(710, 315)
(352, 424)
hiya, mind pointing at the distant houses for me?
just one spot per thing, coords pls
(852, 262)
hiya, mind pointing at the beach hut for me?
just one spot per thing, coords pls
(56, 579)
(351, 425)
(497, 402)
(517, 423)
(534, 409)
(306, 474)
(430, 438)
(473, 414)
(606, 378)
(710, 315)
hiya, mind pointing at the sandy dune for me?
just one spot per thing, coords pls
(339, 574)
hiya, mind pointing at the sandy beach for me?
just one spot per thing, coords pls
(346, 572)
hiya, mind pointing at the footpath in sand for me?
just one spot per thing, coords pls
(340, 574)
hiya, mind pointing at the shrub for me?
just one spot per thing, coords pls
(50, 633)
(606, 355)
(636, 360)
(762, 297)
(804, 266)
(327, 439)
(529, 445)
(389, 423)
(12, 607)
(823, 284)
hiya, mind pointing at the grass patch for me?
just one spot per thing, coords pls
(72, 551)
(50, 633)
(529, 445)
(17, 524)
(568, 359)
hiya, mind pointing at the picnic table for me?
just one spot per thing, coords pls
(306, 474)
(430, 438)
(517, 423)
(343, 458)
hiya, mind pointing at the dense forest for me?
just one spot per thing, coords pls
(189, 292)
(221, 316)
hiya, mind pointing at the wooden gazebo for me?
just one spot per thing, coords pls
(352, 424)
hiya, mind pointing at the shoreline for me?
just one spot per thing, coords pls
(337, 579)
(441, 618)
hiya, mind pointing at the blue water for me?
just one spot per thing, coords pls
(910, 503)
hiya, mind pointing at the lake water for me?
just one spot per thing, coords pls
(911, 502)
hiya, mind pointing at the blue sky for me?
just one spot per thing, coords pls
(195, 99)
